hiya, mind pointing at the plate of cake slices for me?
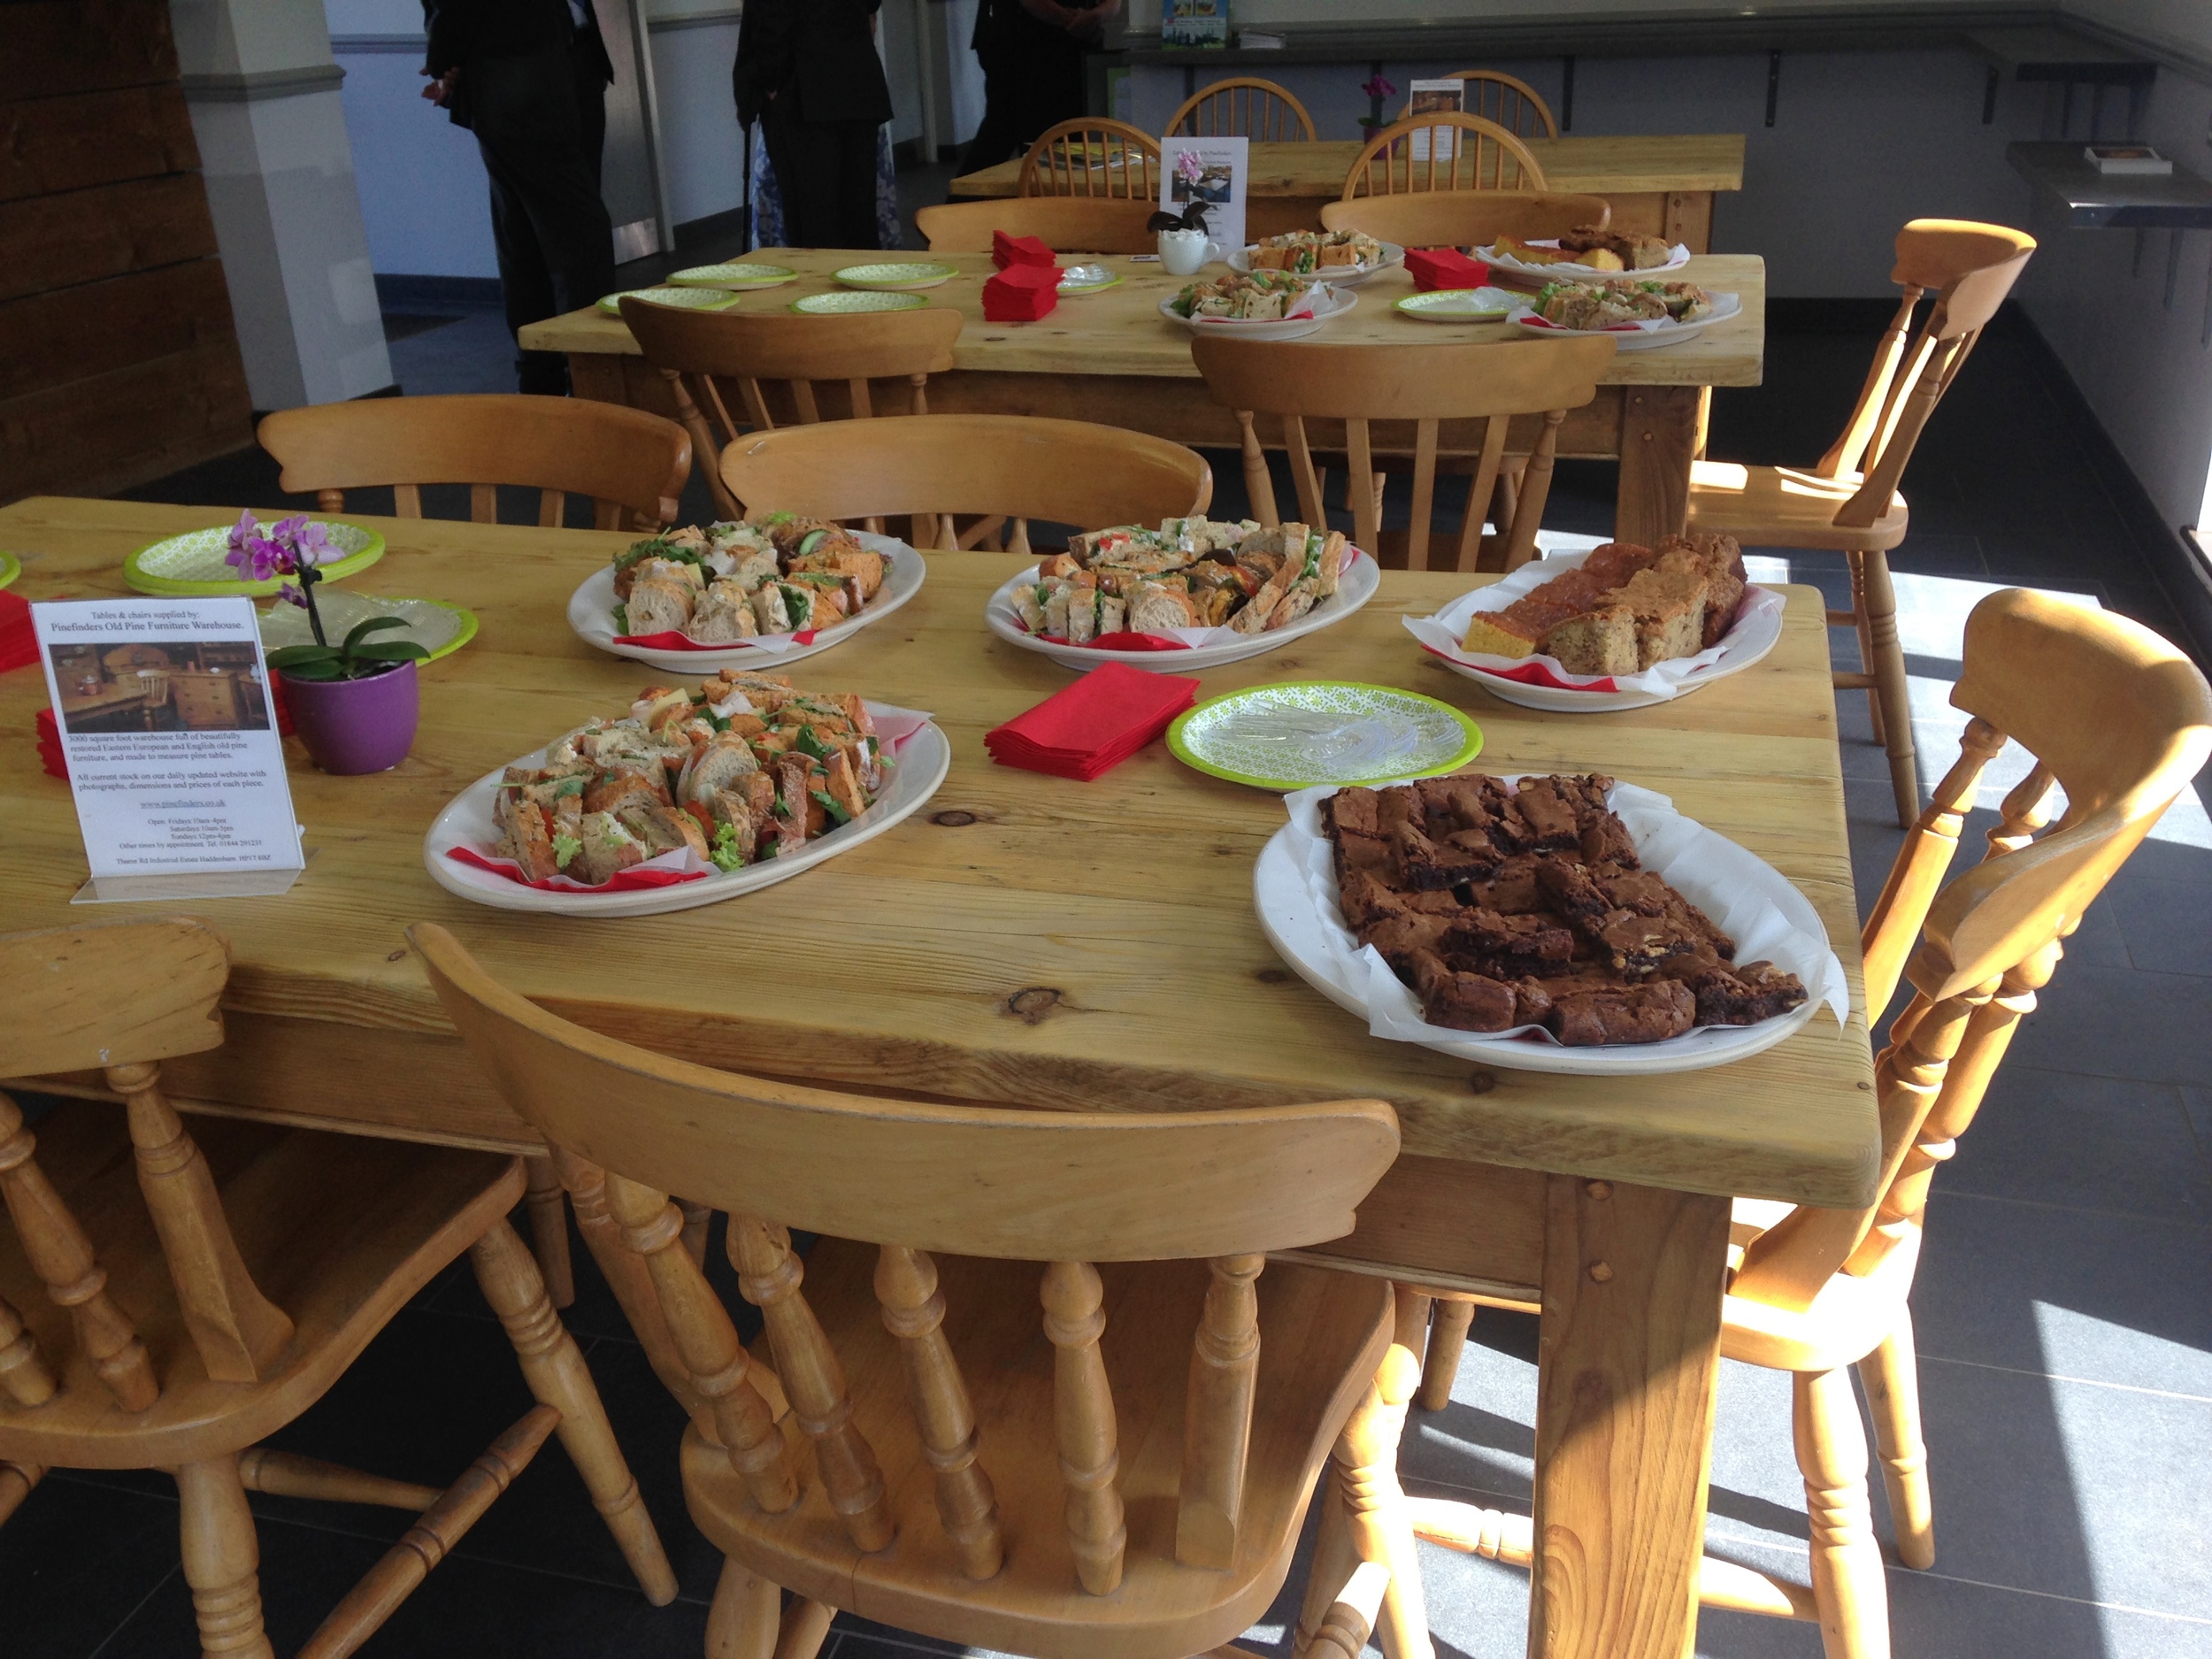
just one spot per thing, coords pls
(1195, 593)
(1564, 924)
(1609, 627)
(694, 794)
(1586, 252)
(771, 589)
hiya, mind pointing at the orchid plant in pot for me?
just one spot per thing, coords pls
(354, 704)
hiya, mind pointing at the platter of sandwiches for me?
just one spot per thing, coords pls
(1556, 923)
(1584, 251)
(696, 793)
(1194, 594)
(1641, 313)
(1609, 627)
(1258, 305)
(773, 588)
(1343, 258)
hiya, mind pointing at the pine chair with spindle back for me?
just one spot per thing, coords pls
(1466, 152)
(170, 1298)
(1093, 156)
(693, 350)
(2116, 720)
(1465, 219)
(1848, 501)
(1506, 99)
(627, 460)
(1008, 468)
(1117, 1486)
(1243, 106)
(1420, 385)
(1065, 223)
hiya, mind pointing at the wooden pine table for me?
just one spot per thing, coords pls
(1112, 357)
(1027, 940)
(1659, 185)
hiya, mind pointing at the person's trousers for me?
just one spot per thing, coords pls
(540, 121)
(1021, 99)
(825, 172)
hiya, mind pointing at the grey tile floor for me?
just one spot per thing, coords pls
(2064, 1299)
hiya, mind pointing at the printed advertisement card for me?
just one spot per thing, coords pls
(1211, 170)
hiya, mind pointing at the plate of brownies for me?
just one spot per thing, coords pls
(1614, 626)
(1543, 923)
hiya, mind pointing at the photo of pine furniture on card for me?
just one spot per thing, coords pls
(984, 985)
(1112, 357)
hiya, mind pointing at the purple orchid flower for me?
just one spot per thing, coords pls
(1379, 89)
(1188, 167)
(251, 554)
(292, 596)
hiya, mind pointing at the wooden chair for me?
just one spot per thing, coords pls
(1115, 1488)
(2120, 721)
(1506, 99)
(695, 349)
(1093, 157)
(1423, 385)
(1465, 219)
(625, 460)
(169, 1299)
(1065, 223)
(1484, 156)
(1243, 106)
(1004, 467)
(1848, 501)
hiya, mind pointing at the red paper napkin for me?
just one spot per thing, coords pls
(49, 755)
(1019, 251)
(18, 646)
(1095, 725)
(1434, 268)
(1021, 294)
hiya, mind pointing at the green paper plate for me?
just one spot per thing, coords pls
(1303, 733)
(191, 567)
(683, 299)
(1449, 305)
(1074, 291)
(440, 628)
(11, 567)
(844, 304)
(732, 276)
(896, 276)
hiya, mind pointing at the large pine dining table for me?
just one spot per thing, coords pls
(1030, 940)
(1110, 356)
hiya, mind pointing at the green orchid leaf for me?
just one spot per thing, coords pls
(362, 630)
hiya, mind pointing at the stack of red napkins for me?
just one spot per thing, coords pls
(18, 646)
(1013, 250)
(1434, 268)
(1095, 725)
(1021, 294)
(49, 755)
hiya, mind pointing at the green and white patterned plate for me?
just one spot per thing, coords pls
(1460, 305)
(191, 567)
(732, 276)
(896, 276)
(845, 304)
(1071, 289)
(438, 627)
(1323, 731)
(11, 567)
(683, 299)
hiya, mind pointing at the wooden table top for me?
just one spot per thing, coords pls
(1023, 939)
(1624, 165)
(1120, 331)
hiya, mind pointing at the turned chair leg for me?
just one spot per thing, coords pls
(1373, 1522)
(548, 1201)
(1441, 1366)
(1847, 1584)
(1866, 643)
(1891, 1376)
(554, 1367)
(1887, 665)
(743, 1623)
(222, 1559)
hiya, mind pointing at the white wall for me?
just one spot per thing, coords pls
(703, 147)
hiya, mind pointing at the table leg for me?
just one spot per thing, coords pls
(597, 375)
(1659, 438)
(1626, 1367)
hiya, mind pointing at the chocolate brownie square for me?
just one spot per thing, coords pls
(1745, 995)
(1606, 841)
(1510, 889)
(1401, 939)
(1648, 894)
(1351, 811)
(1507, 947)
(1650, 1012)
(1429, 865)
(1363, 898)
(1464, 1001)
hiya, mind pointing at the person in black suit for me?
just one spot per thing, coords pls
(1031, 53)
(529, 78)
(807, 71)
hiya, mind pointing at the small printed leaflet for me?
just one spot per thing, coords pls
(1212, 174)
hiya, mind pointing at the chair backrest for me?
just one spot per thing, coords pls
(125, 657)
(1970, 268)
(1070, 1188)
(121, 997)
(2117, 720)
(1065, 223)
(693, 350)
(1466, 219)
(1016, 467)
(625, 460)
(1465, 152)
(1243, 106)
(1506, 99)
(1093, 157)
(1301, 381)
